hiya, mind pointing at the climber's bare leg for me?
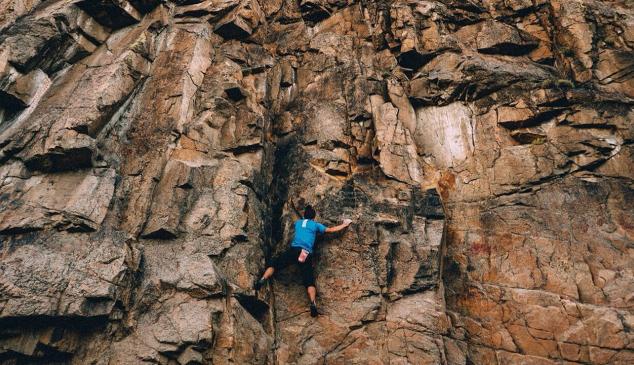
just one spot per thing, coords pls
(312, 293)
(268, 273)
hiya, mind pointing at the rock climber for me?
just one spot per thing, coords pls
(301, 253)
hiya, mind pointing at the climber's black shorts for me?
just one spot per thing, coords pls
(289, 257)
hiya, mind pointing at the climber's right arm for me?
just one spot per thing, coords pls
(338, 228)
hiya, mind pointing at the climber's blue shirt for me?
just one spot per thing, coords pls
(305, 232)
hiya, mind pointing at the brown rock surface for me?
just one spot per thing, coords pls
(154, 155)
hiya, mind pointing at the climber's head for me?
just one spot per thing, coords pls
(309, 212)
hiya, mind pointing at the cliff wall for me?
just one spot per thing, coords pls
(154, 155)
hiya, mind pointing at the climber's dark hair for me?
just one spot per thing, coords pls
(309, 212)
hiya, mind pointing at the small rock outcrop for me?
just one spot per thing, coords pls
(154, 155)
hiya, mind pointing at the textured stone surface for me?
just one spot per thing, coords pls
(154, 155)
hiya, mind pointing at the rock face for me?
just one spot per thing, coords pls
(154, 155)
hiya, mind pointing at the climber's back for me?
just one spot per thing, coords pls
(305, 232)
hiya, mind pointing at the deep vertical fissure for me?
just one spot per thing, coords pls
(279, 190)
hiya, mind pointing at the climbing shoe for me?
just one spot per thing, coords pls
(259, 284)
(313, 310)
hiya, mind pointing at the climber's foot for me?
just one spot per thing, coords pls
(313, 310)
(259, 284)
